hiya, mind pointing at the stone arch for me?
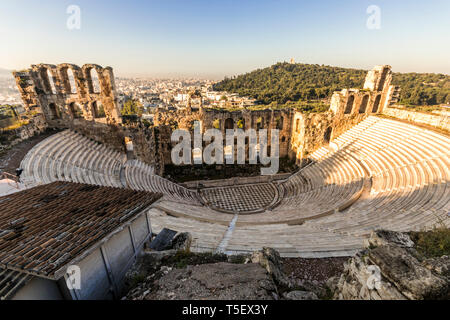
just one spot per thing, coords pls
(229, 123)
(364, 102)
(71, 80)
(383, 78)
(48, 79)
(68, 74)
(349, 105)
(75, 110)
(327, 135)
(94, 78)
(376, 104)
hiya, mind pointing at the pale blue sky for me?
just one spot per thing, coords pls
(212, 38)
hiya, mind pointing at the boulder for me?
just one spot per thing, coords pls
(383, 237)
(412, 279)
(389, 269)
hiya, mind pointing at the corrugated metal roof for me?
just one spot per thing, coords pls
(44, 228)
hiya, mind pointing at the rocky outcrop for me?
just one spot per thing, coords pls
(270, 260)
(391, 269)
(219, 281)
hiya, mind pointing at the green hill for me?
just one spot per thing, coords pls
(284, 82)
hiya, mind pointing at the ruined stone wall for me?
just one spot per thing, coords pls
(168, 121)
(440, 121)
(35, 126)
(347, 108)
(77, 103)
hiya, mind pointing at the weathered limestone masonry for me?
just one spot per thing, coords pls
(35, 126)
(167, 121)
(89, 105)
(439, 120)
(85, 103)
(348, 107)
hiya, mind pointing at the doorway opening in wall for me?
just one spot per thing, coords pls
(129, 148)
(376, 104)
(54, 112)
(349, 106)
(363, 107)
(75, 110)
(327, 135)
(98, 110)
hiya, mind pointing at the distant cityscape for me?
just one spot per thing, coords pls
(152, 93)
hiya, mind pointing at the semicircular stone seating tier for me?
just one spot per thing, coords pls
(70, 156)
(381, 173)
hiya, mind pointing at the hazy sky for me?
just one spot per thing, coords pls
(213, 38)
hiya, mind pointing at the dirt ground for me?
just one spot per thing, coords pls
(10, 159)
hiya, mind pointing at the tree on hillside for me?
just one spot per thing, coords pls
(285, 82)
(132, 107)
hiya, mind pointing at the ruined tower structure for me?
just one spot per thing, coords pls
(348, 107)
(88, 92)
(85, 100)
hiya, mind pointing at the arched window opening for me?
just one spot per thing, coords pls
(72, 84)
(363, 107)
(297, 125)
(383, 79)
(51, 82)
(229, 124)
(95, 81)
(75, 110)
(349, 106)
(376, 104)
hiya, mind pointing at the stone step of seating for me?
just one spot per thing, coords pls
(364, 180)
(140, 176)
(64, 156)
